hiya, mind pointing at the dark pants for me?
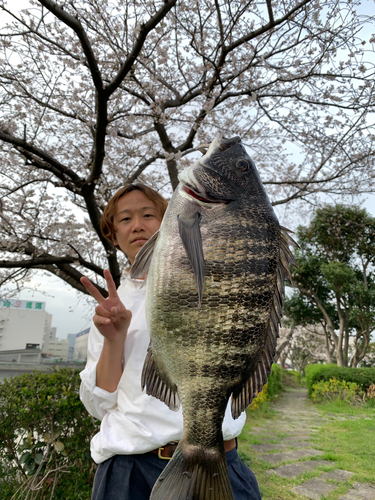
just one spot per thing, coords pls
(132, 477)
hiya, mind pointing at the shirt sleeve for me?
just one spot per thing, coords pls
(97, 401)
(232, 427)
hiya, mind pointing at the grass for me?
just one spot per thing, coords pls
(349, 444)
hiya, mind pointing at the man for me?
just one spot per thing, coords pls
(138, 432)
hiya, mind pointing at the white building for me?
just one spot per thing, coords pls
(72, 343)
(23, 323)
(59, 349)
(80, 348)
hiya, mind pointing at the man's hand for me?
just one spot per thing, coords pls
(112, 319)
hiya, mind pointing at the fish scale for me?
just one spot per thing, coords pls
(215, 274)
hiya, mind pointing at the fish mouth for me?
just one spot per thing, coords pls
(206, 199)
(225, 144)
(222, 143)
(191, 186)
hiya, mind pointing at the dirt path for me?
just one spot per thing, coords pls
(297, 423)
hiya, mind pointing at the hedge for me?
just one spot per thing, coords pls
(45, 435)
(275, 381)
(363, 377)
(271, 389)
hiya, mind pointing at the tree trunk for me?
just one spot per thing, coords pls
(282, 347)
(336, 339)
(360, 351)
(328, 347)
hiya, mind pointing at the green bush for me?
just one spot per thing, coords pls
(45, 438)
(337, 390)
(275, 381)
(292, 378)
(271, 389)
(363, 377)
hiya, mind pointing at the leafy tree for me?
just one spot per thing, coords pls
(335, 280)
(95, 95)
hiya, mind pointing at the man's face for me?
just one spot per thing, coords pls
(136, 220)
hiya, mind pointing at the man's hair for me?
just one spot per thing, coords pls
(107, 225)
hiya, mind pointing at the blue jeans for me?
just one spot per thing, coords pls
(132, 477)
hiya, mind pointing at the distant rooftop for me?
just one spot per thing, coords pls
(84, 332)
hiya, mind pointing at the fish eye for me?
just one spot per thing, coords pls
(242, 165)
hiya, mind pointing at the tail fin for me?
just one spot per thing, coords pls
(204, 476)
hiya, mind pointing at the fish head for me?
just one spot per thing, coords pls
(224, 173)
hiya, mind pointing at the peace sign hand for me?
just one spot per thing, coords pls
(112, 319)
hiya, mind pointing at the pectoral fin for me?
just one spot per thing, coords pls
(191, 238)
(143, 258)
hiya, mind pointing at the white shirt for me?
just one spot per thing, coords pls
(131, 421)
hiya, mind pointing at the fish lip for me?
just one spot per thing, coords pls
(225, 144)
(191, 186)
(192, 192)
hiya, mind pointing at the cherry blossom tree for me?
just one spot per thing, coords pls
(98, 94)
(301, 345)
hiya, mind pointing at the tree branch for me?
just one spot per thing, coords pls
(75, 24)
(55, 167)
(144, 31)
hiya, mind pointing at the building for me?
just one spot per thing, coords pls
(23, 323)
(48, 338)
(24, 356)
(72, 343)
(80, 348)
(54, 348)
(58, 350)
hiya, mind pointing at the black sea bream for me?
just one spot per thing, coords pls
(215, 285)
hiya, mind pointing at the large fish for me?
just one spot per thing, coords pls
(215, 272)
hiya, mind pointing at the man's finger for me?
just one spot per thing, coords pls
(102, 311)
(121, 312)
(101, 321)
(112, 292)
(93, 291)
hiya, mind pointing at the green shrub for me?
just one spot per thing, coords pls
(275, 381)
(270, 390)
(292, 378)
(363, 377)
(337, 390)
(45, 438)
